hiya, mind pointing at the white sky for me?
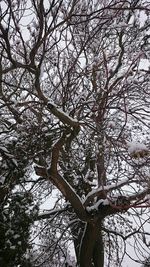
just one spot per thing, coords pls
(49, 203)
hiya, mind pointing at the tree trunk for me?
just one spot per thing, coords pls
(98, 253)
(91, 250)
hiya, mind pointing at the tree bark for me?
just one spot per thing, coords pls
(98, 253)
(91, 251)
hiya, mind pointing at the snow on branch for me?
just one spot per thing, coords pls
(140, 195)
(137, 149)
(103, 190)
(50, 213)
(62, 116)
(7, 155)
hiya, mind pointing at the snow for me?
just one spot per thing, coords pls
(12, 247)
(3, 149)
(136, 147)
(16, 236)
(14, 162)
(2, 180)
(103, 202)
(107, 187)
(144, 64)
(36, 165)
(61, 111)
(87, 176)
(70, 260)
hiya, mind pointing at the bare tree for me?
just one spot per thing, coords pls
(75, 102)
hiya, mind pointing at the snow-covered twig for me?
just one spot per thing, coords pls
(62, 116)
